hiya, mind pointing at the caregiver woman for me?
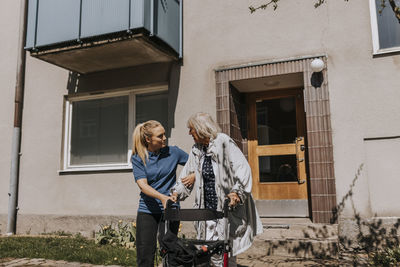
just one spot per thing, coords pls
(221, 170)
(154, 168)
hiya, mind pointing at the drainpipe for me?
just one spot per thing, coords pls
(16, 140)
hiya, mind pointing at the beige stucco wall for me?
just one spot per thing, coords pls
(8, 53)
(382, 166)
(363, 92)
(43, 190)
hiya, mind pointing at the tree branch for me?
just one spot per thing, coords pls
(274, 3)
(264, 6)
(395, 8)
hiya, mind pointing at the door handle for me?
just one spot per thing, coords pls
(300, 148)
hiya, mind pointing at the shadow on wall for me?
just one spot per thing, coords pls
(356, 245)
(133, 77)
(368, 236)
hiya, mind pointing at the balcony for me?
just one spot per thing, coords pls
(87, 36)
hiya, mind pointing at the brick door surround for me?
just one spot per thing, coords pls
(322, 195)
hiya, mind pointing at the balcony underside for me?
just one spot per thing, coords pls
(107, 54)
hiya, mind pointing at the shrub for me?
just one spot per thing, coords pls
(386, 257)
(120, 234)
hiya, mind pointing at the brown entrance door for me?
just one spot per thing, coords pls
(276, 152)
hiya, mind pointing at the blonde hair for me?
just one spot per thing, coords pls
(140, 133)
(204, 125)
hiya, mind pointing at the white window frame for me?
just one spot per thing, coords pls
(375, 32)
(131, 93)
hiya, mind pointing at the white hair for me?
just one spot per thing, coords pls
(204, 125)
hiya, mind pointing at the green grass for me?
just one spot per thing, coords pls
(77, 249)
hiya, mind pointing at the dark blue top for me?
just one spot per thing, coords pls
(160, 172)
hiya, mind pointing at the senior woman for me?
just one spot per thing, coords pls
(221, 171)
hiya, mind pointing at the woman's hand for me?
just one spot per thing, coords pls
(174, 197)
(189, 180)
(151, 192)
(164, 200)
(235, 199)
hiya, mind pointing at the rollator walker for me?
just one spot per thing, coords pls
(193, 252)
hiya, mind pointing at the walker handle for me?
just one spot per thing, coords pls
(169, 204)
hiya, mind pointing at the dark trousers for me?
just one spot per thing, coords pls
(147, 226)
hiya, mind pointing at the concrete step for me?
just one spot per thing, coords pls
(295, 228)
(289, 237)
(300, 248)
(295, 237)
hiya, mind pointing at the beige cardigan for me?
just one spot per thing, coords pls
(232, 174)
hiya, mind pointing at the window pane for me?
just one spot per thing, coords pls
(152, 107)
(278, 168)
(388, 26)
(99, 131)
(276, 121)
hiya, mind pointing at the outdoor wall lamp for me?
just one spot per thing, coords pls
(317, 65)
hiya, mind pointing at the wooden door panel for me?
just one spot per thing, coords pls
(284, 149)
(269, 188)
(289, 190)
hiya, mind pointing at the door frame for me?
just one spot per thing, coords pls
(319, 131)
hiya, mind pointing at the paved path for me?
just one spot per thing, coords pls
(43, 262)
(271, 261)
(243, 261)
(275, 241)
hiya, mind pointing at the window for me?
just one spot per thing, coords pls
(98, 128)
(385, 28)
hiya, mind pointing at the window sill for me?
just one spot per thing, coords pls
(387, 52)
(96, 169)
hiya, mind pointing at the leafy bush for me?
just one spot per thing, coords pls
(120, 234)
(386, 257)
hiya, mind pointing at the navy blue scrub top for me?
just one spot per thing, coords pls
(160, 172)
